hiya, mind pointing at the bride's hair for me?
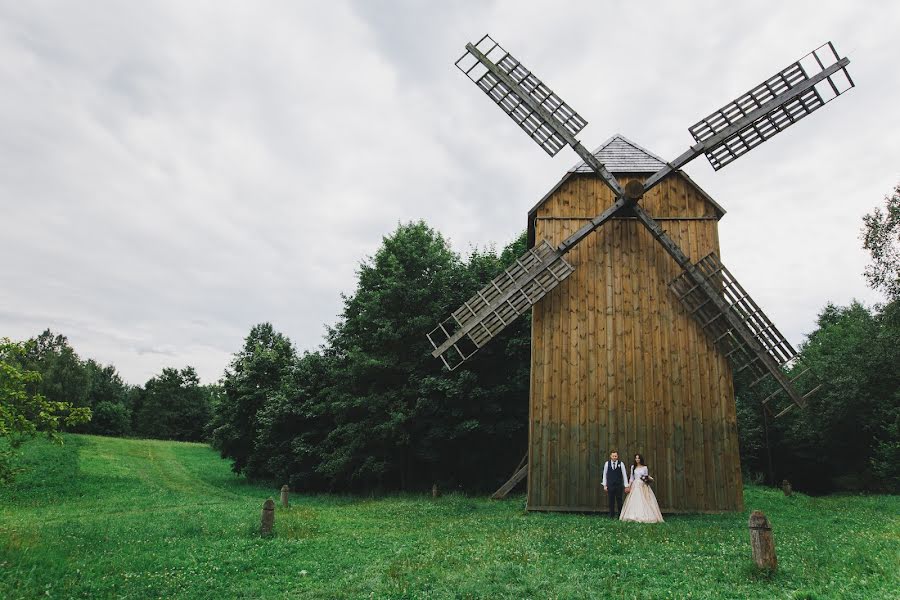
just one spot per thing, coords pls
(640, 456)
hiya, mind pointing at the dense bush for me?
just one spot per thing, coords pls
(64, 377)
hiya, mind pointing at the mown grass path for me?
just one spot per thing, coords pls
(111, 518)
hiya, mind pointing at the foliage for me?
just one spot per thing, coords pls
(107, 395)
(215, 393)
(255, 373)
(23, 412)
(846, 438)
(172, 406)
(379, 402)
(372, 409)
(292, 425)
(434, 425)
(881, 238)
(153, 519)
(63, 375)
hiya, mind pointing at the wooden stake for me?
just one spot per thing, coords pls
(762, 542)
(268, 517)
(285, 492)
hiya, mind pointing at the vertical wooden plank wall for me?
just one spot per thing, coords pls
(618, 363)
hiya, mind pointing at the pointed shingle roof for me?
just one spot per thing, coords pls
(621, 155)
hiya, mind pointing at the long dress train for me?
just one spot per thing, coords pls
(640, 504)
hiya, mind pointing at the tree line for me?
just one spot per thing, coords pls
(172, 405)
(370, 409)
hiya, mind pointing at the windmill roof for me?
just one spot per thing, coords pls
(619, 155)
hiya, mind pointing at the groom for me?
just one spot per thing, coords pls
(614, 482)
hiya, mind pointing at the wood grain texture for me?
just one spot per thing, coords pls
(617, 362)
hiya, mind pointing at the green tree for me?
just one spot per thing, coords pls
(215, 392)
(63, 375)
(107, 396)
(846, 438)
(399, 420)
(255, 373)
(173, 406)
(381, 354)
(23, 412)
(292, 424)
(881, 237)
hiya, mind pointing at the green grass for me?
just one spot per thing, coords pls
(111, 518)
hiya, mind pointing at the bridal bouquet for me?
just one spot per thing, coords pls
(647, 479)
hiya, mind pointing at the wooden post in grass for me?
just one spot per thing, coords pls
(268, 517)
(786, 486)
(285, 492)
(435, 492)
(762, 542)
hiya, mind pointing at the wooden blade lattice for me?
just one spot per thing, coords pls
(770, 342)
(548, 136)
(822, 62)
(498, 304)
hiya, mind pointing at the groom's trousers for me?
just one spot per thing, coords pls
(615, 499)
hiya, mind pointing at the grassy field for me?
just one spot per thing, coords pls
(103, 518)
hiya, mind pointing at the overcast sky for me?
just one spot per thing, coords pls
(172, 173)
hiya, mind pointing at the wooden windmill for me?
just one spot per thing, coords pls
(619, 361)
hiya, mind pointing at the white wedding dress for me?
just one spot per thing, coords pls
(640, 504)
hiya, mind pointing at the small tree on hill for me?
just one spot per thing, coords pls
(23, 412)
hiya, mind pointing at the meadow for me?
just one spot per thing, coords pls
(116, 518)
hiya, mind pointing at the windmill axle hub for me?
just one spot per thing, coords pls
(634, 190)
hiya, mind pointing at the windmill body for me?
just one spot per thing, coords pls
(617, 361)
(638, 327)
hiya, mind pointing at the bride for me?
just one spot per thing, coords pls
(640, 505)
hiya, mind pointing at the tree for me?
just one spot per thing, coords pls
(215, 392)
(292, 423)
(255, 373)
(23, 412)
(173, 406)
(63, 375)
(881, 237)
(846, 437)
(399, 420)
(107, 396)
(380, 354)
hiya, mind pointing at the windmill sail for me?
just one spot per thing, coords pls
(772, 106)
(498, 304)
(546, 119)
(735, 323)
